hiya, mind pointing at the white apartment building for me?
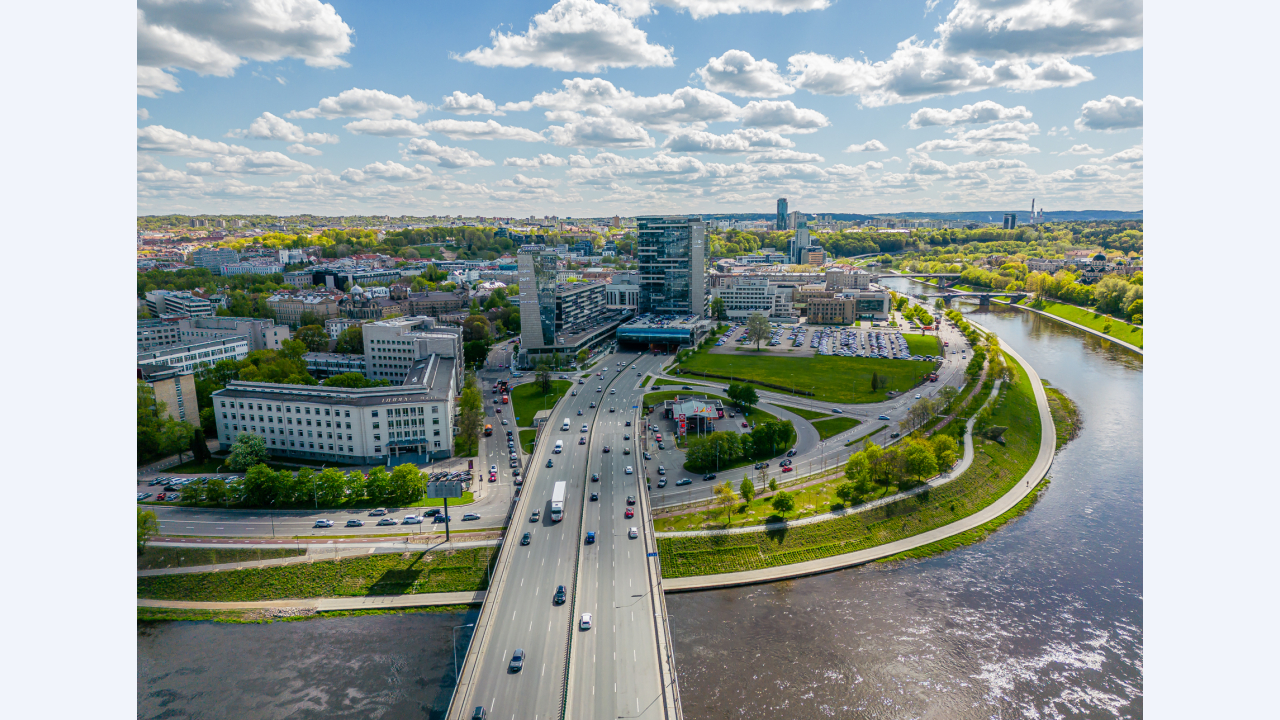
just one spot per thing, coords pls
(413, 422)
(249, 268)
(750, 295)
(169, 302)
(263, 334)
(189, 357)
(393, 347)
(335, 326)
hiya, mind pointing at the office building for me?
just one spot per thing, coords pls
(155, 332)
(322, 365)
(755, 294)
(845, 308)
(1010, 221)
(334, 327)
(192, 356)
(299, 278)
(814, 255)
(841, 280)
(173, 387)
(663, 332)
(560, 318)
(289, 307)
(781, 223)
(252, 268)
(168, 302)
(623, 291)
(214, 258)
(393, 348)
(263, 334)
(671, 252)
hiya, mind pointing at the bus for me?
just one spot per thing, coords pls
(557, 501)
(504, 399)
(488, 430)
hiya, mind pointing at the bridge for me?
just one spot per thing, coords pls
(623, 666)
(947, 280)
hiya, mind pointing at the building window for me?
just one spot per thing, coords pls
(376, 425)
(374, 413)
(436, 433)
(377, 449)
(347, 413)
(348, 426)
(435, 421)
(435, 409)
(224, 403)
(377, 438)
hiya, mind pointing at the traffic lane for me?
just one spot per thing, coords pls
(595, 671)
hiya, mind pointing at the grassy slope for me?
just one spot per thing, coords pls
(1120, 330)
(154, 558)
(834, 426)
(832, 379)
(806, 414)
(527, 399)
(1066, 417)
(527, 438)
(463, 570)
(923, 344)
(994, 471)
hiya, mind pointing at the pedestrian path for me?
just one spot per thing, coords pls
(1039, 468)
(934, 482)
(365, 602)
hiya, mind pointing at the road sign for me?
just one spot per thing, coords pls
(444, 489)
(653, 554)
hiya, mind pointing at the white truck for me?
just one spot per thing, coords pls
(559, 447)
(557, 501)
(565, 425)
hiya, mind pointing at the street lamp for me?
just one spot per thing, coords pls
(457, 671)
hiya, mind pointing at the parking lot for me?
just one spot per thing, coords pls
(803, 340)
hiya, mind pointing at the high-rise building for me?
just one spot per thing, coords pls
(781, 223)
(671, 250)
(1010, 221)
(799, 244)
(537, 296)
(794, 219)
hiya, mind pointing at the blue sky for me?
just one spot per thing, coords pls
(584, 108)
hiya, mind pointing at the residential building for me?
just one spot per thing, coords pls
(289, 307)
(191, 356)
(336, 326)
(173, 387)
(169, 302)
(671, 251)
(781, 223)
(263, 333)
(847, 307)
(213, 258)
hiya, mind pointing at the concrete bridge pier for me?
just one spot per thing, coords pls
(984, 301)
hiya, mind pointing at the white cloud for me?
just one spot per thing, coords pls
(1041, 29)
(985, 111)
(1080, 150)
(386, 128)
(143, 114)
(450, 157)
(1000, 131)
(520, 181)
(599, 132)
(254, 163)
(600, 98)
(574, 36)
(1064, 130)
(158, 138)
(1110, 114)
(699, 9)
(152, 171)
(477, 130)
(579, 161)
(542, 160)
(981, 147)
(868, 146)
(785, 156)
(357, 102)
(916, 71)
(270, 127)
(1131, 158)
(738, 141)
(300, 149)
(389, 171)
(782, 116)
(922, 164)
(214, 38)
(738, 73)
(460, 103)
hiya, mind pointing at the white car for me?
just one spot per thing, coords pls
(917, 396)
(323, 524)
(411, 520)
(585, 623)
(628, 470)
(493, 468)
(633, 533)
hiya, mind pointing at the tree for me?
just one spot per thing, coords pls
(475, 351)
(175, 438)
(308, 318)
(247, 451)
(948, 393)
(743, 394)
(406, 483)
(717, 309)
(544, 378)
(773, 484)
(378, 484)
(216, 491)
(583, 355)
(354, 485)
(147, 526)
(471, 415)
(199, 448)
(330, 487)
(945, 450)
(314, 337)
(746, 490)
(208, 420)
(724, 497)
(292, 349)
(713, 450)
(848, 493)
(783, 502)
(353, 380)
(351, 341)
(758, 329)
(476, 327)
(918, 461)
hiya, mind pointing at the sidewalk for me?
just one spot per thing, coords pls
(1039, 468)
(367, 602)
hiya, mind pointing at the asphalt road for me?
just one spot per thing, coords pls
(525, 617)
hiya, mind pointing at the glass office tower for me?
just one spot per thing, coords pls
(781, 224)
(537, 267)
(672, 253)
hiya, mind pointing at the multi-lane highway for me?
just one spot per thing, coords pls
(615, 668)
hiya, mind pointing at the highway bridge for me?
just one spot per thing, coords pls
(623, 666)
(946, 280)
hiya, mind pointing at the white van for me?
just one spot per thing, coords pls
(559, 446)
(565, 425)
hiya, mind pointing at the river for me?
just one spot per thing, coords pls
(1041, 620)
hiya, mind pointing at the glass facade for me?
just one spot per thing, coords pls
(672, 256)
(537, 296)
(781, 224)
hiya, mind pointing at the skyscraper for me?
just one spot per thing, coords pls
(781, 223)
(537, 268)
(671, 250)
(798, 244)
(1011, 221)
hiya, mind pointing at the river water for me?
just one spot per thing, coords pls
(1041, 620)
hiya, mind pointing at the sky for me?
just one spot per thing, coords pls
(579, 108)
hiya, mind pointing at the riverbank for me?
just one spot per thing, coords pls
(304, 610)
(1129, 336)
(993, 484)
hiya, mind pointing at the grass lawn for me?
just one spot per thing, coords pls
(831, 378)
(1066, 417)
(390, 574)
(527, 400)
(922, 344)
(526, 439)
(994, 471)
(646, 380)
(806, 414)
(1120, 330)
(834, 426)
(975, 535)
(154, 558)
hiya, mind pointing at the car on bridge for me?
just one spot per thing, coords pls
(549, 463)
(585, 623)
(526, 538)
(628, 470)
(595, 477)
(591, 537)
(629, 513)
(633, 533)
(631, 499)
(517, 661)
(535, 516)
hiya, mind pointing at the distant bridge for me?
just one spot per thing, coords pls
(946, 280)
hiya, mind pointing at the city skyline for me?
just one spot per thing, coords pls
(582, 108)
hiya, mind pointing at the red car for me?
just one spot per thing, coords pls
(629, 513)
(786, 469)
(744, 423)
(160, 496)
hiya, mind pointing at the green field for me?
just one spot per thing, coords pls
(975, 535)
(155, 558)
(830, 378)
(527, 400)
(1120, 330)
(646, 380)
(923, 344)
(526, 439)
(388, 574)
(806, 414)
(834, 426)
(994, 472)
